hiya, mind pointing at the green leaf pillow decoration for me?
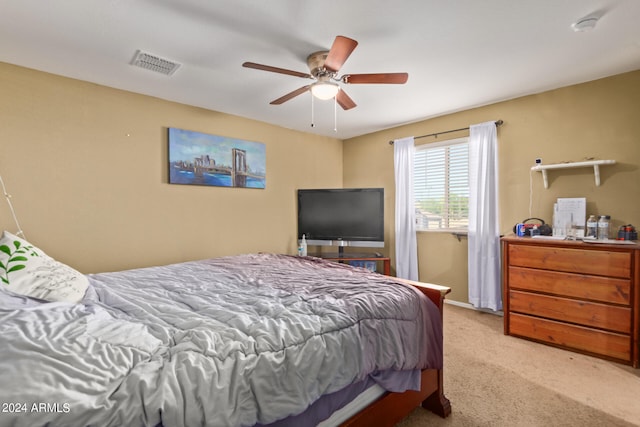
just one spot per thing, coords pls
(27, 270)
(17, 258)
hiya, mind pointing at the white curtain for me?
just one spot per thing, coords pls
(484, 236)
(406, 245)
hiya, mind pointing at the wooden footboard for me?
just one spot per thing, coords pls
(391, 408)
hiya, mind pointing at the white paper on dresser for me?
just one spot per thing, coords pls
(569, 212)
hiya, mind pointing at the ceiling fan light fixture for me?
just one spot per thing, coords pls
(324, 90)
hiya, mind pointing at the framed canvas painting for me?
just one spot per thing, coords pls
(201, 159)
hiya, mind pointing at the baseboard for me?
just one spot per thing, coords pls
(471, 307)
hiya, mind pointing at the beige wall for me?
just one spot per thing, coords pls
(597, 119)
(87, 168)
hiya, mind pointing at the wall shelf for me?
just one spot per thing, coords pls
(591, 163)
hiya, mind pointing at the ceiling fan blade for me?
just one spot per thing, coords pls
(290, 95)
(344, 100)
(276, 70)
(340, 51)
(384, 78)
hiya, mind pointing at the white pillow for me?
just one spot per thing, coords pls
(27, 270)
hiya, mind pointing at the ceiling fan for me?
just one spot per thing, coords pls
(324, 67)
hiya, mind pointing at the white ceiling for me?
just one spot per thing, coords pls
(459, 54)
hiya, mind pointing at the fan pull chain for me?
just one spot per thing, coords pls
(312, 121)
(335, 114)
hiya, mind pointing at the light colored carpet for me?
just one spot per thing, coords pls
(496, 380)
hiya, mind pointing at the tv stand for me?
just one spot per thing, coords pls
(343, 256)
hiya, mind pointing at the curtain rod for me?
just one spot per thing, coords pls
(498, 123)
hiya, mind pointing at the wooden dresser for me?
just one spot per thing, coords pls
(579, 296)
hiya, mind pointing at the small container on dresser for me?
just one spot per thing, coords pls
(603, 227)
(592, 227)
(575, 295)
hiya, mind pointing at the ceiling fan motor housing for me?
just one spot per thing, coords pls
(315, 61)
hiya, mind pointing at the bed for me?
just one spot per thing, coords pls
(248, 340)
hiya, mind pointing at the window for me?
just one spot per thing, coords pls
(441, 185)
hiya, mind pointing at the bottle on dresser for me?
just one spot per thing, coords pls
(592, 227)
(603, 227)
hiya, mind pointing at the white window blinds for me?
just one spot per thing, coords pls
(441, 185)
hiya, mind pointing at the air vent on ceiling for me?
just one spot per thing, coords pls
(154, 63)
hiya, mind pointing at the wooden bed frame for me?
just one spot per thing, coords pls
(391, 408)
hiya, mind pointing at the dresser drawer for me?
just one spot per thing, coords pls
(596, 288)
(596, 315)
(580, 338)
(597, 262)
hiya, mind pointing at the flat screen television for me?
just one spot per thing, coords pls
(342, 217)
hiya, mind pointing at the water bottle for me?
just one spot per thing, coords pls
(603, 227)
(592, 227)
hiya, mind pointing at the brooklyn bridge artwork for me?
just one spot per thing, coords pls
(201, 159)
